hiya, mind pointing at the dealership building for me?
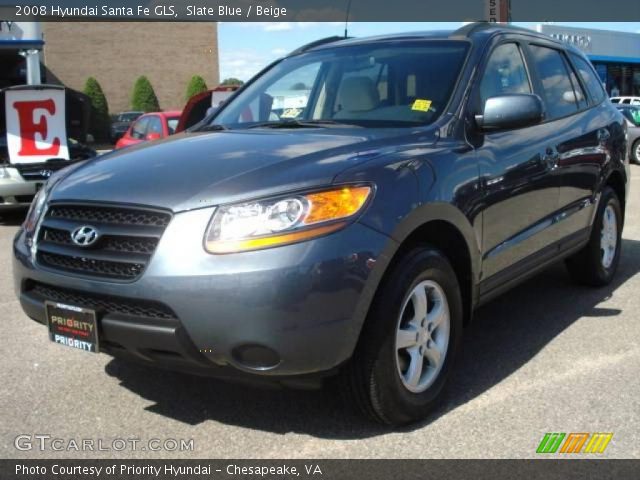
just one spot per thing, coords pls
(615, 55)
(115, 53)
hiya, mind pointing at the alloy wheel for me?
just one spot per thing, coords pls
(609, 236)
(422, 336)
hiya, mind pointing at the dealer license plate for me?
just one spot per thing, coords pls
(72, 326)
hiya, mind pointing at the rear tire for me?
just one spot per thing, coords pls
(409, 341)
(597, 262)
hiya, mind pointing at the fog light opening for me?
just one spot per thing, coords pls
(256, 357)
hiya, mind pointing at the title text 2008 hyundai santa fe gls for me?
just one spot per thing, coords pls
(342, 214)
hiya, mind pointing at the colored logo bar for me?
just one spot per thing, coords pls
(574, 442)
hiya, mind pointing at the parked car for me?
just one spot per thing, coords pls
(19, 182)
(632, 116)
(151, 126)
(121, 124)
(427, 174)
(626, 100)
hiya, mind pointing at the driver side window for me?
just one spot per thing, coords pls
(155, 125)
(139, 128)
(505, 73)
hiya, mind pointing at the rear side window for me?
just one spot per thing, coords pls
(172, 124)
(590, 79)
(581, 97)
(558, 92)
(505, 73)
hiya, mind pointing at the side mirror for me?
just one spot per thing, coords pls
(153, 136)
(515, 110)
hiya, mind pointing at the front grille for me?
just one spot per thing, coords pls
(91, 266)
(110, 215)
(105, 304)
(127, 237)
(40, 171)
(112, 243)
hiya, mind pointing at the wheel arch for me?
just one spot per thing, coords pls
(616, 180)
(445, 228)
(449, 240)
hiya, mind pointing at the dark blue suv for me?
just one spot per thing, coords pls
(343, 214)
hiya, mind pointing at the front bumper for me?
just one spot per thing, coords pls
(15, 191)
(288, 311)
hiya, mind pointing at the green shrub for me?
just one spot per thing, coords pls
(143, 97)
(99, 119)
(196, 86)
(231, 81)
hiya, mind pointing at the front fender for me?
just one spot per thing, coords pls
(399, 208)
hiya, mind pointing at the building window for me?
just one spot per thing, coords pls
(620, 79)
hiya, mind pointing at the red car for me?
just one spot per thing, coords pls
(150, 126)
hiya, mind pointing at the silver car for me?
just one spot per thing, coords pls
(632, 116)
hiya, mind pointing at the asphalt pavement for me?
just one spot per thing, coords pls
(549, 356)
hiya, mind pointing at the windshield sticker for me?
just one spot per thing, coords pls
(421, 105)
(291, 113)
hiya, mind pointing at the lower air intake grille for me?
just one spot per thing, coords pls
(105, 304)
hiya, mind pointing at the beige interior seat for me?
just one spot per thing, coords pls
(357, 94)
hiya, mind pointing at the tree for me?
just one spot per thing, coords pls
(196, 86)
(99, 119)
(232, 81)
(144, 97)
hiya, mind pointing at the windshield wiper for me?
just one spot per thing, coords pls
(300, 124)
(214, 127)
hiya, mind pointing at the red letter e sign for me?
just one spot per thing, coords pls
(36, 125)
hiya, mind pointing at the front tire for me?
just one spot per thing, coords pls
(635, 152)
(409, 341)
(597, 262)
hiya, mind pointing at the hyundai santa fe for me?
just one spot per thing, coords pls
(341, 215)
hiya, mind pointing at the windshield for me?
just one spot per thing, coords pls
(377, 84)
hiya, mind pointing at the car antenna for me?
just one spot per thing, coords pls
(346, 18)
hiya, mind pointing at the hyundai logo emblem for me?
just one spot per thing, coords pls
(84, 236)
(45, 173)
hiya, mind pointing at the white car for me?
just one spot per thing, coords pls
(626, 100)
(20, 182)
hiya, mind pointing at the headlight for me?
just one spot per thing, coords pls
(283, 220)
(35, 210)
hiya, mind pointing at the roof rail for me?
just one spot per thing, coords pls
(470, 28)
(316, 43)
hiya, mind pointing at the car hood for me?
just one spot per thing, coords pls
(195, 170)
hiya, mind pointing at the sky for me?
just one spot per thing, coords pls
(245, 48)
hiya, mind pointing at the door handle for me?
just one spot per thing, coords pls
(603, 135)
(551, 158)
